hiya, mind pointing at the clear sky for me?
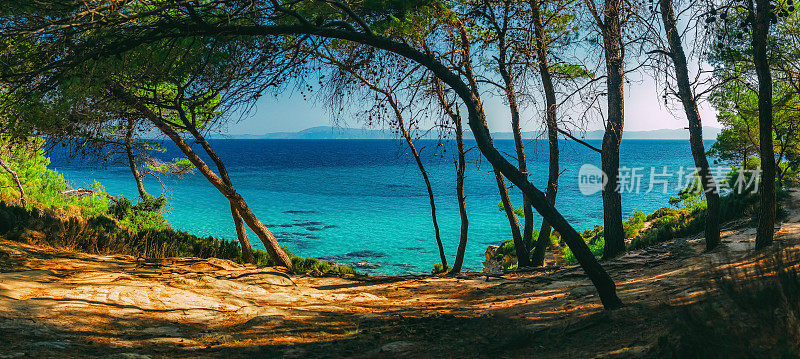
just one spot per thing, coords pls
(644, 110)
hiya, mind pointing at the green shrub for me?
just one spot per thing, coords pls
(147, 214)
(634, 225)
(506, 248)
(438, 268)
(661, 212)
(595, 237)
(315, 266)
(596, 247)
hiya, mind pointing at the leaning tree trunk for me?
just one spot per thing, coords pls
(605, 286)
(477, 122)
(23, 199)
(766, 218)
(462, 204)
(537, 258)
(270, 243)
(407, 136)
(612, 198)
(137, 176)
(712, 230)
(241, 232)
(513, 222)
(523, 245)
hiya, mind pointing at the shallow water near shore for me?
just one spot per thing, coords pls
(363, 202)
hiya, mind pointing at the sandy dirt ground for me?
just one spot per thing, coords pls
(61, 304)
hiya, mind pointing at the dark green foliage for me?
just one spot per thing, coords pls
(594, 238)
(661, 212)
(316, 266)
(45, 188)
(750, 314)
(669, 223)
(507, 248)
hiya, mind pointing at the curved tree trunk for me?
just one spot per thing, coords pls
(537, 258)
(409, 141)
(612, 198)
(270, 243)
(605, 286)
(137, 176)
(766, 218)
(442, 256)
(407, 136)
(477, 122)
(712, 230)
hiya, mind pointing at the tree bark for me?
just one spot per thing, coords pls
(537, 258)
(766, 218)
(462, 204)
(522, 245)
(270, 243)
(23, 199)
(241, 232)
(519, 245)
(712, 230)
(612, 199)
(137, 176)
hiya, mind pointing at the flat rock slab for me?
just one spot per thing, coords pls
(56, 303)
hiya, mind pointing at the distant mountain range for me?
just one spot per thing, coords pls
(332, 133)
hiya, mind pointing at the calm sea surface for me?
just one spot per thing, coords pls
(364, 200)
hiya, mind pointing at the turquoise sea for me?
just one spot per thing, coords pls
(364, 200)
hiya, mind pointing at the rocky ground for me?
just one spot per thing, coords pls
(56, 303)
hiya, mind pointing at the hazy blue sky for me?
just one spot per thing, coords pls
(644, 110)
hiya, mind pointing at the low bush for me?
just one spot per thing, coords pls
(438, 268)
(105, 234)
(595, 238)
